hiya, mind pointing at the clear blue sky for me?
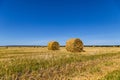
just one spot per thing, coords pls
(35, 22)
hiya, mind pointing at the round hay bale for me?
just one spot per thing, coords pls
(74, 45)
(53, 45)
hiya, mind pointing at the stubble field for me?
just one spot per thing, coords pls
(38, 63)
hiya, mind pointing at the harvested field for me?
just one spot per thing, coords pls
(39, 63)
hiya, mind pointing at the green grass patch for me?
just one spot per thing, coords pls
(115, 75)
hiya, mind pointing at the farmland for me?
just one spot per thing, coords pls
(39, 63)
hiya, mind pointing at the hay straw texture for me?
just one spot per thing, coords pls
(74, 45)
(53, 45)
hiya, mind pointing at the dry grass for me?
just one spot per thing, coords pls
(29, 63)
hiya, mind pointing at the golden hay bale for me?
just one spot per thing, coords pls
(53, 45)
(74, 45)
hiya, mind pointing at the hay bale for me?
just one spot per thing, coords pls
(53, 45)
(74, 45)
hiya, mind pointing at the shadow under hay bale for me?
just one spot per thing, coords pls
(74, 45)
(53, 45)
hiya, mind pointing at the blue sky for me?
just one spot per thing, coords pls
(35, 22)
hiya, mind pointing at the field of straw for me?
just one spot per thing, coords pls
(39, 63)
